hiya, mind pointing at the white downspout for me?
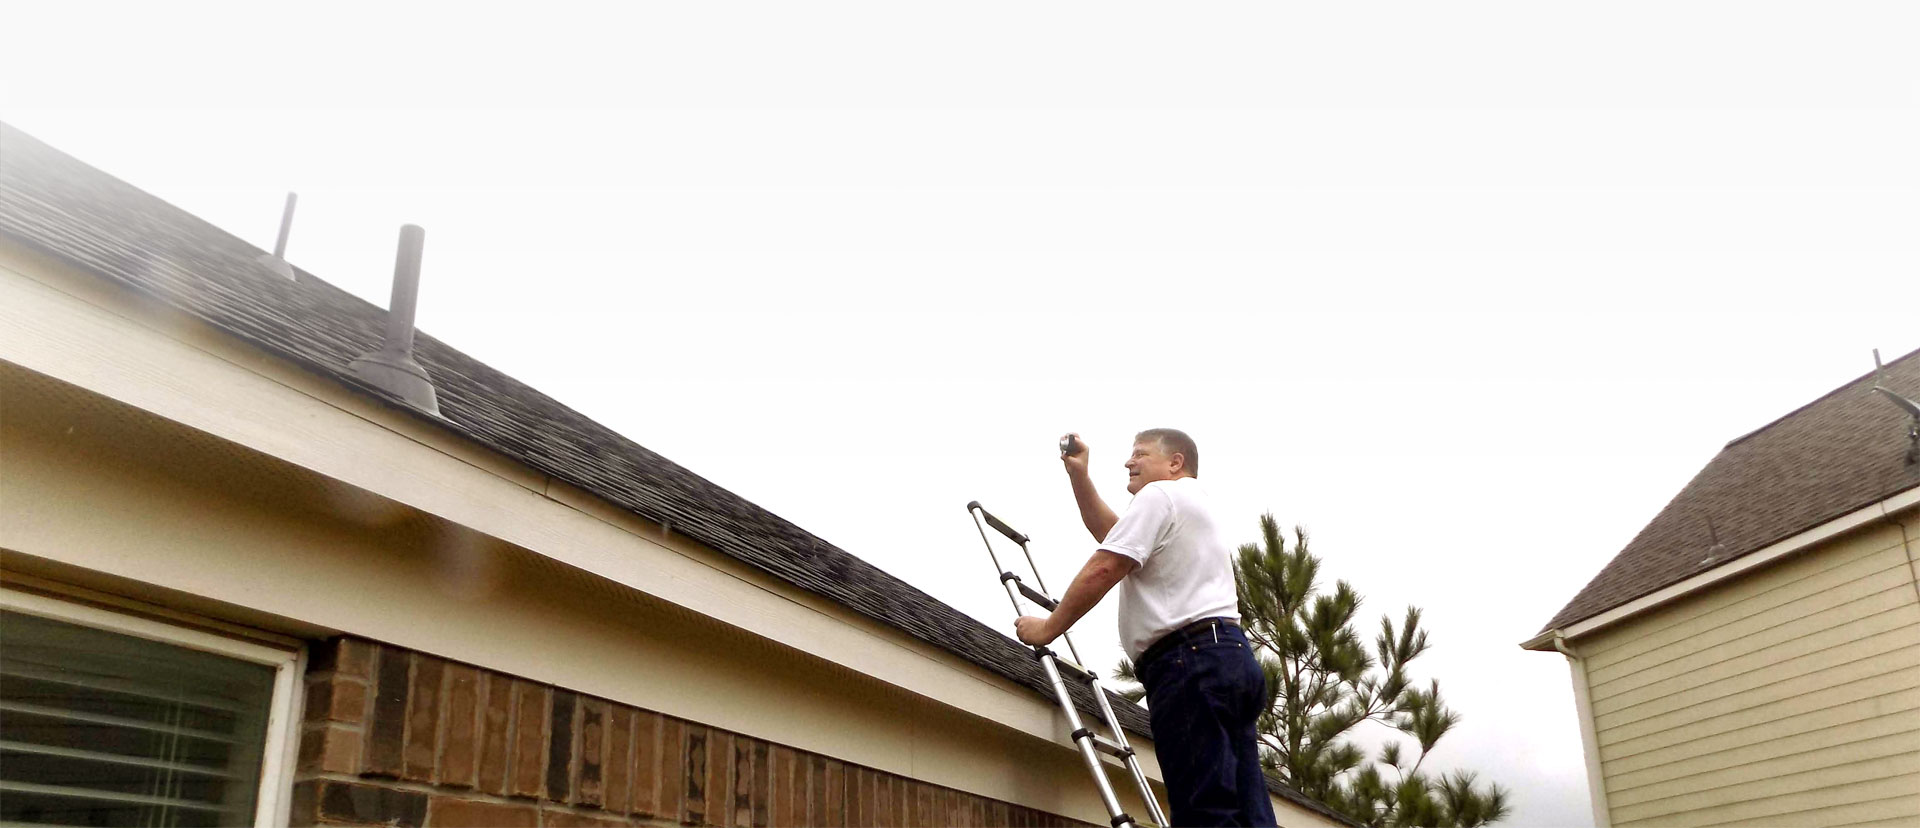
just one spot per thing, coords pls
(1589, 737)
(1907, 541)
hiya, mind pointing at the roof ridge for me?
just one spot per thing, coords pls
(1817, 400)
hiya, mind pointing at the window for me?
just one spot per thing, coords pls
(111, 720)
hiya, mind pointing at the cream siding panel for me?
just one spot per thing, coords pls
(1858, 746)
(1894, 810)
(1896, 711)
(1796, 577)
(1882, 612)
(1790, 697)
(1875, 799)
(1895, 688)
(1911, 805)
(1878, 571)
(1824, 788)
(1879, 652)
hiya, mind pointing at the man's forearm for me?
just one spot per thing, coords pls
(1094, 512)
(1096, 578)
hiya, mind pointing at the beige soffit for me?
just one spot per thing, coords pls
(1845, 523)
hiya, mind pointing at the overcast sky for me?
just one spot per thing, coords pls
(1470, 291)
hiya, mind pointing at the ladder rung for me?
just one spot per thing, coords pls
(1074, 670)
(1103, 744)
(1038, 597)
(1032, 594)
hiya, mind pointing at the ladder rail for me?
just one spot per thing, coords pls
(1041, 596)
(1089, 744)
(1083, 740)
(1012, 597)
(1047, 593)
(1132, 761)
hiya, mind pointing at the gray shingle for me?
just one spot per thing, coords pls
(58, 205)
(1839, 453)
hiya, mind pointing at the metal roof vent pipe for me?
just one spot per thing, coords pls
(277, 261)
(392, 369)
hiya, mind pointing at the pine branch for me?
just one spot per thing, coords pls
(1324, 680)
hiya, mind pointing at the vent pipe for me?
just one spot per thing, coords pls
(278, 261)
(391, 368)
(286, 226)
(1912, 408)
(1715, 548)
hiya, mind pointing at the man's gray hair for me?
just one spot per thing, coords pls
(1174, 441)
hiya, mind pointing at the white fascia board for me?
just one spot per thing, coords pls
(1821, 533)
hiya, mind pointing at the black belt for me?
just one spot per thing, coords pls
(1203, 629)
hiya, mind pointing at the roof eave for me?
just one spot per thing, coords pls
(1543, 642)
(1872, 513)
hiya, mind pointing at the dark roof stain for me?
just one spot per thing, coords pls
(61, 206)
(1840, 453)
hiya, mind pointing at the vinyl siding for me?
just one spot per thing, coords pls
(1788, 697)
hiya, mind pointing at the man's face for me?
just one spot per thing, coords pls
(1148, 464)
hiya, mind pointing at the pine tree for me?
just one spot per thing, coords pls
(1322, 682)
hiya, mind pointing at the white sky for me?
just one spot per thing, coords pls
(1469, 290)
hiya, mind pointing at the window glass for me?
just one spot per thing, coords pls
(100, 728)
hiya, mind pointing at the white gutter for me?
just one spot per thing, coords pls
(1873, 513)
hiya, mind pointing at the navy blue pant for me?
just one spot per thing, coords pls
(1203, 697)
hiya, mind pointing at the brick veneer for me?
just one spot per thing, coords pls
(394, 737)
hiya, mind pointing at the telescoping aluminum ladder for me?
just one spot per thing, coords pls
(1058, 669)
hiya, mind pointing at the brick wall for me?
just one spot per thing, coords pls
(394, 737)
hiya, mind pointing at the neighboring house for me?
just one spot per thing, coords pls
(1753, 656)
(238, 587)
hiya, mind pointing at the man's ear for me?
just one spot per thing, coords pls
(1179, 463)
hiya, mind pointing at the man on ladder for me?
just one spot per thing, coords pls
(1179, 622)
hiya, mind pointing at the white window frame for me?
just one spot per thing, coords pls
(274, 803)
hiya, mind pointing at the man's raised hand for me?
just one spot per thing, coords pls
(1073, 453)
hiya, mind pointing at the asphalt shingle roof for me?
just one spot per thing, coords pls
(54, 203)
(1842, 452)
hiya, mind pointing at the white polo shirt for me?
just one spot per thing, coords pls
(1186, 568)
